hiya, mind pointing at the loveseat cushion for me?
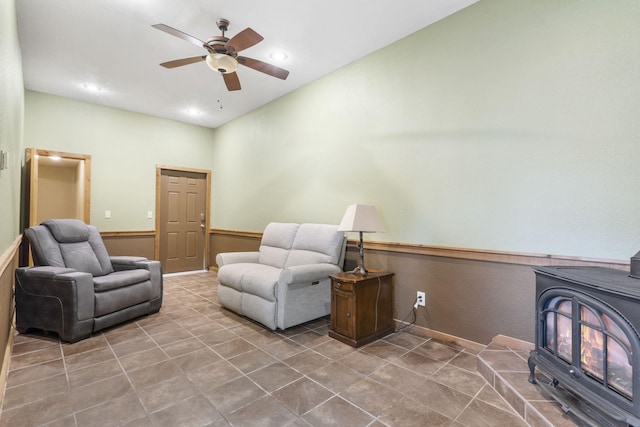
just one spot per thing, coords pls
(316, 244)
(262, 283)
(276, 243)
(255, 279)
(119, 279)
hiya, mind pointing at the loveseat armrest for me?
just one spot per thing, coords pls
(307, 273)
(65, 284)
(236, 257)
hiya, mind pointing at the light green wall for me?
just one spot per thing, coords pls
(11, 120)
(512, 125)
(125, 148)
(508, 126)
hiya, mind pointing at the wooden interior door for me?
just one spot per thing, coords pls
(183, 219)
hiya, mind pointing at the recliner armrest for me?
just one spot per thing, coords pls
(237, 257)
(120, 263)
(307, 273)
(46, 272)
(64, 283)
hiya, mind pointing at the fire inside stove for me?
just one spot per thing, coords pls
(605, 350)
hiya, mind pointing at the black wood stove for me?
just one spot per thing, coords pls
(587, 341)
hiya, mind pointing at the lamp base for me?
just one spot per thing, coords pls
(360, 270)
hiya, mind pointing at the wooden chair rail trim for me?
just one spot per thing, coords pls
(492, 255)
(465, 253)
(428, 250)
(144, 233)
(237, 233)
(8, 256)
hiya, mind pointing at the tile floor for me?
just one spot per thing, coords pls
(196, 364)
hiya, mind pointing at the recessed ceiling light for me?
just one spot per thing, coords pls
(92, 88)
(193, 112)
(278, 55)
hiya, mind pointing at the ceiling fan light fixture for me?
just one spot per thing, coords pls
(222, 63)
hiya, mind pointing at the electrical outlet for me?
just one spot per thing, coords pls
(420, 298)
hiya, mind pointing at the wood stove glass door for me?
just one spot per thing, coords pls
(601, 349)
(558, 329)
(605, 351)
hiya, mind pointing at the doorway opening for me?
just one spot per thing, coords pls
(57, 185)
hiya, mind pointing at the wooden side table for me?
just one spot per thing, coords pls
(361, 307)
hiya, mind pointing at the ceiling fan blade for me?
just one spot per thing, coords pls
(179, 34)
(263, 67)
(244, 39)
(232, 81)
(184, 61)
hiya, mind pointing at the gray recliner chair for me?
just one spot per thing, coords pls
(76, 288)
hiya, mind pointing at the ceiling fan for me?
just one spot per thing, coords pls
(223, 53)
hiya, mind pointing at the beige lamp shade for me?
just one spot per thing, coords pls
(361, 218)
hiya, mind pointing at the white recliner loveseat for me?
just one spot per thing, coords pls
(286, 282)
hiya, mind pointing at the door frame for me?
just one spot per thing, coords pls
(29, 206)
(207, 239)
(32, 176)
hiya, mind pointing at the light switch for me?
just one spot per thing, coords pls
(107, 214)
(149, 214)
(4, 160)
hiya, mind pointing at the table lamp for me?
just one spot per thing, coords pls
(363, 219)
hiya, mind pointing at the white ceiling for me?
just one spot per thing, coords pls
(69, 44)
